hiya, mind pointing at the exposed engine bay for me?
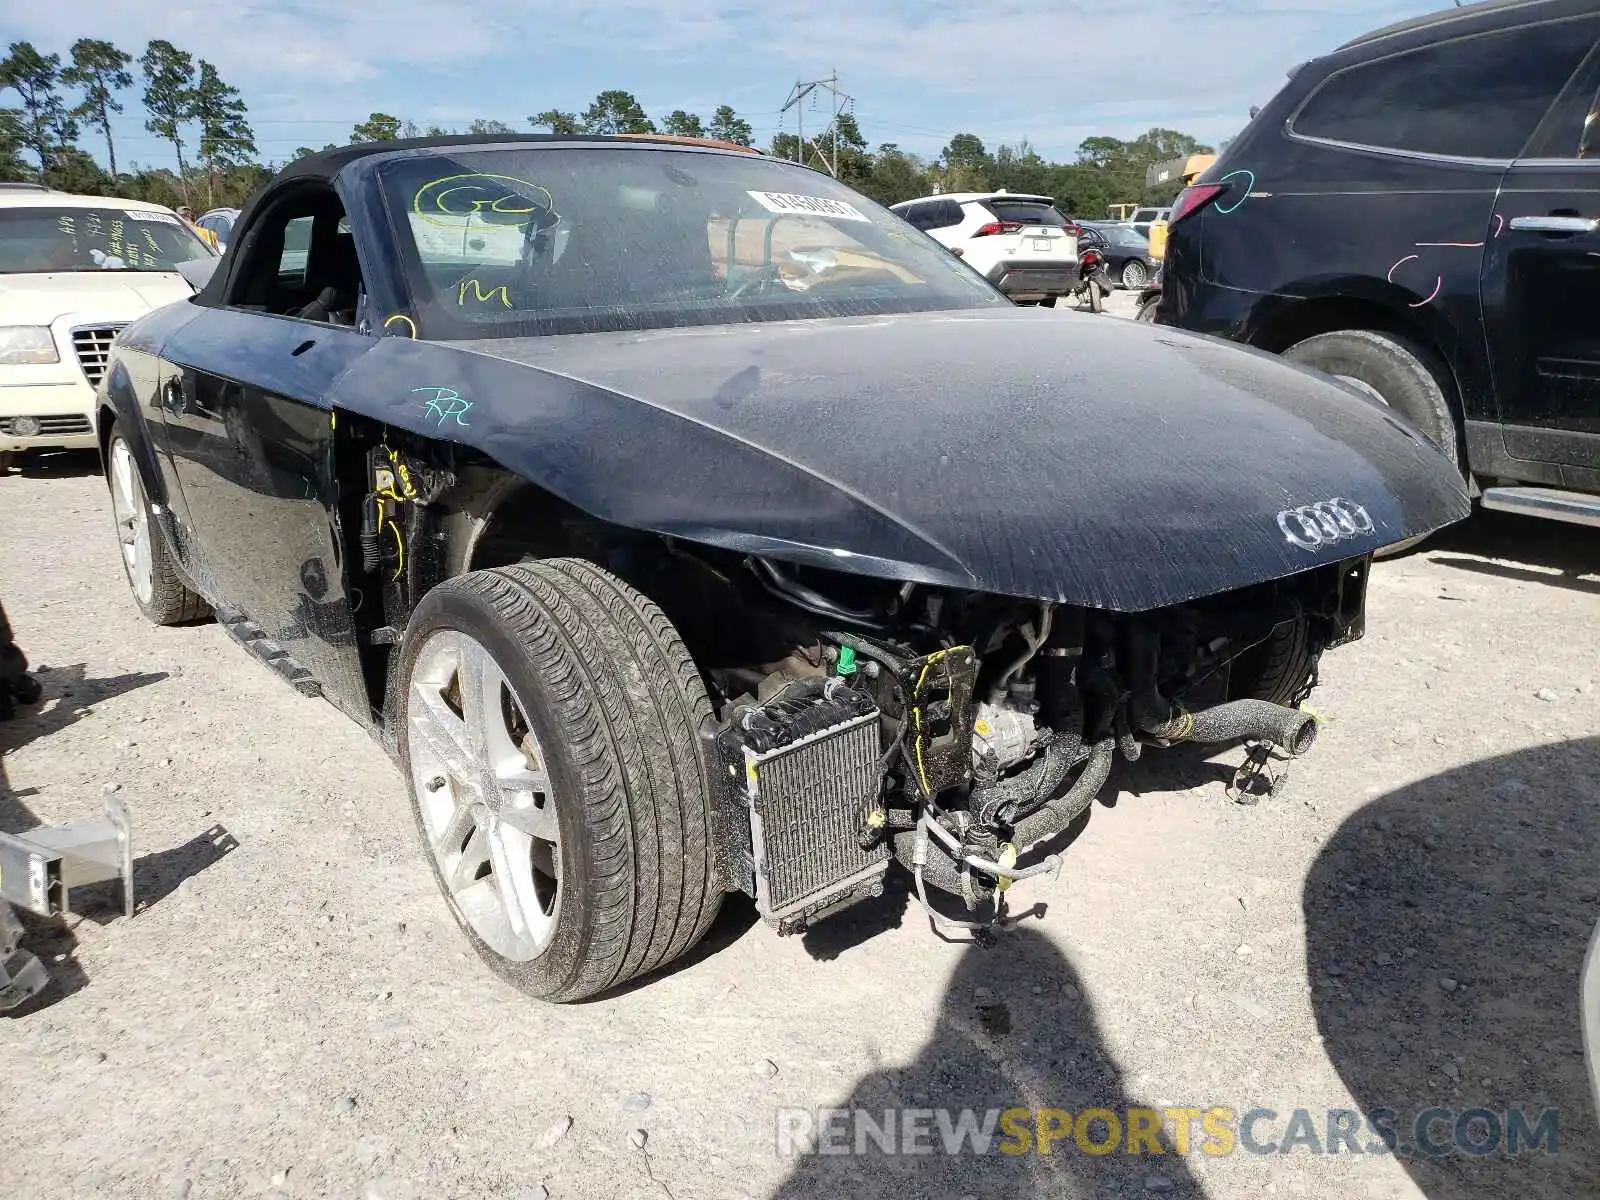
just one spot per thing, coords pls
(861, 722)
(956, 733)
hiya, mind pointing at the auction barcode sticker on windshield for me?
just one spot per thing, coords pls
(140, 214)
(808, 206)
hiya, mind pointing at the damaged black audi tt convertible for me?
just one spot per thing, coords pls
(683, 522)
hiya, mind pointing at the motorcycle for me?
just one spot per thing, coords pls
(1150, 299)
(1094, 283)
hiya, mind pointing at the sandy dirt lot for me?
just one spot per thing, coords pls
(292, 1013)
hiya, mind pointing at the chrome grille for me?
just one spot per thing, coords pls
(811, 800)
(59, 426)
(93, 347)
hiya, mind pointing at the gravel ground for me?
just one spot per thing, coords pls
(292, 1013)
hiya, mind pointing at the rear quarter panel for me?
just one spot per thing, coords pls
(1306, 221)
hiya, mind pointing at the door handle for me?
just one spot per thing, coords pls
(1556, 224)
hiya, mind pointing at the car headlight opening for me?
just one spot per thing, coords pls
(27, 345)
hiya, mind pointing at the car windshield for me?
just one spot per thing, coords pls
(38, 240)
(512, 242)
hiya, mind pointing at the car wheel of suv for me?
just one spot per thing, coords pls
(549, 719)
(1134, 276)
(152, 575)
(1396, 372)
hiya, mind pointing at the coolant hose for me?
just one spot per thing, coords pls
(1150, 712)
(1057, 814)
(1006, 799)
(1291, 729)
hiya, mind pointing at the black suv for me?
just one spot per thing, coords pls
(1418, 213)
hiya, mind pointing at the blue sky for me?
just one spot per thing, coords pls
(1051, 71)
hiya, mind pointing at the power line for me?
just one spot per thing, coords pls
(797, 96)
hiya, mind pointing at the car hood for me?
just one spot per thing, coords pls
(1070, 458)
(94, 295)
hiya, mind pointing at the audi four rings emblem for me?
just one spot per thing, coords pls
(1323, 523)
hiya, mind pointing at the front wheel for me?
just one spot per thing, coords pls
(152, 575)
(1396, 373)
(1134, 275)
(549, 733)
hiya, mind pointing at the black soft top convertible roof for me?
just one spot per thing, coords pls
(325, 164)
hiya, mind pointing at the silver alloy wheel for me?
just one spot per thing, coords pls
(1134, 276)
(483, 788)
(132, 515)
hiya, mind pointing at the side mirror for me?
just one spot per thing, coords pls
(198, 271)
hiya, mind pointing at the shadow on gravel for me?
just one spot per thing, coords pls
(55, 464)
(1446, 924)
(1549, 552)
(734, 919)
(996, 1046)
(69, 696)
(156, 876)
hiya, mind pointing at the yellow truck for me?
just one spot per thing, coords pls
(1187, 169)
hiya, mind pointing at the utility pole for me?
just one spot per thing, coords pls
(839, 100)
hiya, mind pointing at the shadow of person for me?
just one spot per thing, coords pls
(997, 1046)
(70, 694)
(1446, 924)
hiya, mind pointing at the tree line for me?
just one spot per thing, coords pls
(186, 101)
(205, 119)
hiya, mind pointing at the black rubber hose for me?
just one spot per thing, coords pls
(1070, 805)
(1290, 729)
(1025, 791)
(1150, 712)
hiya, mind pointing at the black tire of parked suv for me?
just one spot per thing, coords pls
(171, 601)
(616, 702)
(1407, 377)
(1147, 309)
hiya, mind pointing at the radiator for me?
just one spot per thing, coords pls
(809, 802)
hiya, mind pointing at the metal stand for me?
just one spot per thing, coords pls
(38, 871)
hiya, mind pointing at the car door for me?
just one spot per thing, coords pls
(1541, 289)
(250, 435)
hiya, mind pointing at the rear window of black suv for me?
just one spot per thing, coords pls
(1474, 97)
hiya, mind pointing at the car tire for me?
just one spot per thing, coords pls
(153, 577)
(1147, 310)
(1397, 372)
(1134, 275)
(603, 704)
(1280, 667)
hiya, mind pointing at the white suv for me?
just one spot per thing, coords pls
(73, 271)
(1021, 244)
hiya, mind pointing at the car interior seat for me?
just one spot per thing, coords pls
(333, 273)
